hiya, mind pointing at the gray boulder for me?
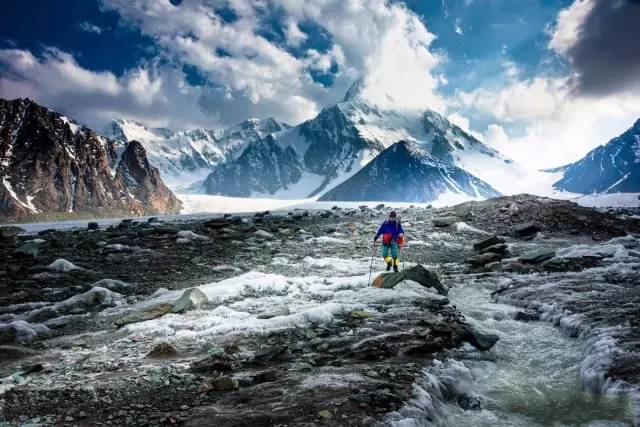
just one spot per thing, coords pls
(93, 297)
(526, 316)
(483, 259)
(444, 221)
(537, 256)
(29, 248)
(43, 314)
(462, 211)
(113, 285)
(418, 273)
(493, 240)
(498, 248)
(191, 299)
(480, 340)
(9, 231)
(526, 229)
(144, 314)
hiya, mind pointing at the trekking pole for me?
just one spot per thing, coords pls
(373, 252)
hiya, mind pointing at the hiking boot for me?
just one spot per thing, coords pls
(388, 266)
(395, 268)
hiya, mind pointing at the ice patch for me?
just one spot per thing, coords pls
(464, 227)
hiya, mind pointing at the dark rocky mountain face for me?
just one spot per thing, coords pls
(406, 173)
(263, 167)
(610, 168)
(142, 182)
(50, 164)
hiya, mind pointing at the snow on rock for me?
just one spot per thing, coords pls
(464, 227)
(21, 331)
(328, 240)
(264, 234)
(188, 236)
(63, 265)
(191, 299)
(113, 285)
(93, 297)
(237, 305)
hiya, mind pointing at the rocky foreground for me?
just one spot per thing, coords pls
(270, 319)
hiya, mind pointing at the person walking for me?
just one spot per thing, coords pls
(392, 238)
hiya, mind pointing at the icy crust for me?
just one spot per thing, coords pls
(236, 305)
(586, 305)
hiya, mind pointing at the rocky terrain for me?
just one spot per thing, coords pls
(51, 165)
(271, 320)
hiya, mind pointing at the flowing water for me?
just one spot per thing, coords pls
(530, 378)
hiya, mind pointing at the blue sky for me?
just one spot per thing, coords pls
(510, 71)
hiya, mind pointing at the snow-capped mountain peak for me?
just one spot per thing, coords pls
(184, 157)
(610, 168)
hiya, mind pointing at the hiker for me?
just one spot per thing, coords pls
(392, 238)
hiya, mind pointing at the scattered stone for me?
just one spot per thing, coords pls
(63, 265)
(462, 211)
(144, 314)
(188, 236)
(470, 403)
(191, 299)
(491, 241)
(10, 231)
(537, 256)
(42, 314)
(444, 221)
(325, 414)
(499, 248)
(271, 353)
(480, 340)
(379, 207)
(113, 285)
(526, 230)
(265, 376)
(93, 226)
(526, 316)
(12, 352)
(29, 248)
(93, 297)
(211, 364)
(418, 273)
(557, 264)
(483, 259)
(225, 383)
(275, 312)
(163, 350)
(21, 332)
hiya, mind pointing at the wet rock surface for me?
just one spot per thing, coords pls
(270, 320)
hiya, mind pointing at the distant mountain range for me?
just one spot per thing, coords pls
(319, 155)
(350, 151)
(185, 156)
(610, 168)
(49, 163)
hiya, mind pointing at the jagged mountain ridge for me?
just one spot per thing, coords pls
(610, 168)
(49, 163)
(185, 156)
(273, 168)
(405, 172)
(344, 137)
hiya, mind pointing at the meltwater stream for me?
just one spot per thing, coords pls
(530, 378)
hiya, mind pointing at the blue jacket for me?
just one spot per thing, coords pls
(392, 227)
